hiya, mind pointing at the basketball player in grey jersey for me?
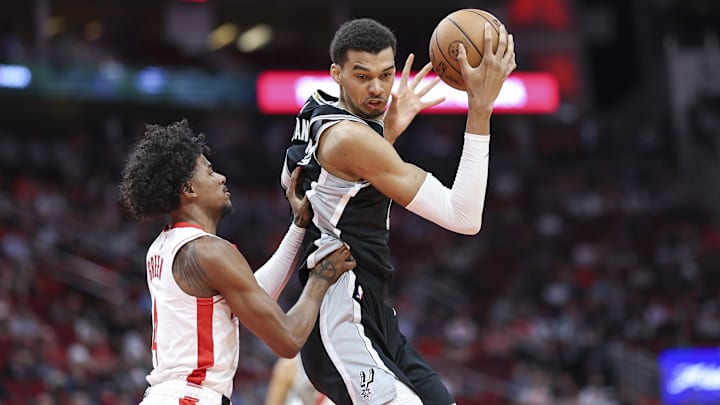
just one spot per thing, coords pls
(356, 353)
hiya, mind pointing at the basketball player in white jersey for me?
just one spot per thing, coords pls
(201, 285)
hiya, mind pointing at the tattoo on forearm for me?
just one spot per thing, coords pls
(187, 269)
(326, 270)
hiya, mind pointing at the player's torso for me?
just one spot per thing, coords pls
(353, 211)
(191, 335)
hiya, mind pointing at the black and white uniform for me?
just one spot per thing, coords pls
(356, 351)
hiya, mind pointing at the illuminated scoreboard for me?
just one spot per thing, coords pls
(284, 92)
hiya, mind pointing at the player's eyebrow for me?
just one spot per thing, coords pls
(361, 67)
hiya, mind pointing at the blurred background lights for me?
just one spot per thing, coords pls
(53, 26)
(221, 36)
(15, 76)
(255, 38)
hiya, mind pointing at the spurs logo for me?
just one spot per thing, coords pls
(366, 378)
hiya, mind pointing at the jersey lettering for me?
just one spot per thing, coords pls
(154, 267)
(302, 130)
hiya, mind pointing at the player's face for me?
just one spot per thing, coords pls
(209, 185)
(366, 80)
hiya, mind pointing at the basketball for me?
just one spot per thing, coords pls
(466, 26)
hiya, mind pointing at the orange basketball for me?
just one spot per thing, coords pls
(466, 26)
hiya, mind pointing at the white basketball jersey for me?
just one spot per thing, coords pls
(194, 339)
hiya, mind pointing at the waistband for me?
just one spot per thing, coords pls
(186, 390)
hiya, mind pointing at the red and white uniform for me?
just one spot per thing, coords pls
(189, 333)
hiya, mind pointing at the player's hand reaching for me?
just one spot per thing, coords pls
(300, 205)
(334, 265)
(483, 83)
(406, 100)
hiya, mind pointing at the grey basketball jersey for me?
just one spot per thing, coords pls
(351, 211)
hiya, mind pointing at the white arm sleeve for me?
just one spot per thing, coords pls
(275, 273)
(458, 209)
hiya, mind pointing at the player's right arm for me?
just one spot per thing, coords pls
(208, 266)
(355, 152)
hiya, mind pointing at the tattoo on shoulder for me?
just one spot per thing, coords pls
(187, 270)
(326, 270)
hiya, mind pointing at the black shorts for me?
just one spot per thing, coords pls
(356, 350)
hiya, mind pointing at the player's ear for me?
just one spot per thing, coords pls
(187, 188)
(335, 72)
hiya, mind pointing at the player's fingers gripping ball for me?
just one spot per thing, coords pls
(466, 26)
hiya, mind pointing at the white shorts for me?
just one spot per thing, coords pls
(172, 392)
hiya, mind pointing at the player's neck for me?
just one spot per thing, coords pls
(208, 224)
(342, 105)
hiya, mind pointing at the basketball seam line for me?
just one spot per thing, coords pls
(486, 19)
(441, 50)
(480, 14)
(437, 42)
(467, 36)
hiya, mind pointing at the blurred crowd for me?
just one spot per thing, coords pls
(597, 252)
(591, 244)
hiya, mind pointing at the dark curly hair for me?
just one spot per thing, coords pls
(362, 34)
(157, 168)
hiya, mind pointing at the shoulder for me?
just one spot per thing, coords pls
(210, 242)
(344, 148)
(349, 140)
(210, 263)
(351, 132)
(317, 104)
(212, 250)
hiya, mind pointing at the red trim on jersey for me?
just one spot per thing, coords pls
(205, 349)
(154, 333)
(188, 401)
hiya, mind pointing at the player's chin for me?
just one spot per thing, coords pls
(374, 110)
(227, 209)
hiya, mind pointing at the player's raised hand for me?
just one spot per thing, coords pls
(407, 101)
(483, 83)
